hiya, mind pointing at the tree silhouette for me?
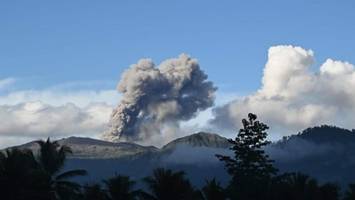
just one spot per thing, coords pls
(213, 191)
(168, 185)
(52, 158)
(94, 192)
(350, 193)
(329, 191)
(251, 169)
(121, 187)
(295, 186)
(17, 169)
(302, 186)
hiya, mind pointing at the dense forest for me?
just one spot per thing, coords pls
(25, 175)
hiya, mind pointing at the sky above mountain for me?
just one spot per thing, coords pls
(60, 62)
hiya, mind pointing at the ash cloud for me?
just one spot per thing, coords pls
(155, 99)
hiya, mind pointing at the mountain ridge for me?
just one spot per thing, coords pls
(85, 147)
(325, 152)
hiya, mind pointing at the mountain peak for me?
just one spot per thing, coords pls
(200, 139)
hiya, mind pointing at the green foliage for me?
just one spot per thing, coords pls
(249, 159)
(18, 168)
(295, 186)
(121, 187)
(23, 176)
(250, 168)
(52, 158)
(94, 192)
(255, 178)
(168, 185)
(213, 191)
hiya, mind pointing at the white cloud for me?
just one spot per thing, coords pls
(6, 82)
(36, 119)
(53, 112)
(81, 98)
(292, 97)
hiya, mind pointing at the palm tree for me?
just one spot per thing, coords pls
(18, 180)
(52, 158)
(169, 185)
(213, 191)
(121, 188)
(301, 186)
(94, 192)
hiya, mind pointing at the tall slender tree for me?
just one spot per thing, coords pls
(251, 168)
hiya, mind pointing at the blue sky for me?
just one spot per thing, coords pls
(45, 43)
(60, 52)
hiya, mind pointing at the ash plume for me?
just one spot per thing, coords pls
(155, 99)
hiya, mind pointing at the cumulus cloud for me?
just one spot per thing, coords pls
(36, 119)
(53, 112)
(155, 99)
(292, 97)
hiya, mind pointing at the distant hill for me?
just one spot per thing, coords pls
(195, 154)
(325, 152)
(88, 148)
(201, 139)
(324, 134)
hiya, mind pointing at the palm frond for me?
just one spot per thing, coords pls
(68, 184)
(146, 196)
(71, 173)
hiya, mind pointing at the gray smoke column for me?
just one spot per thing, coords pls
(156, 98)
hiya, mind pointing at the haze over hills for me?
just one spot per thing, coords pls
(88, 148)
(98, 149)
(201, 139)
(326, 153)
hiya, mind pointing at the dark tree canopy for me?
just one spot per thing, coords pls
(250, 160)
(350, 193)
(168, 185)
(121, 187)
(250, 168)
(94, 192)
(213, 191)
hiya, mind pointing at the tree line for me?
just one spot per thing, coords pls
(26, 176)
